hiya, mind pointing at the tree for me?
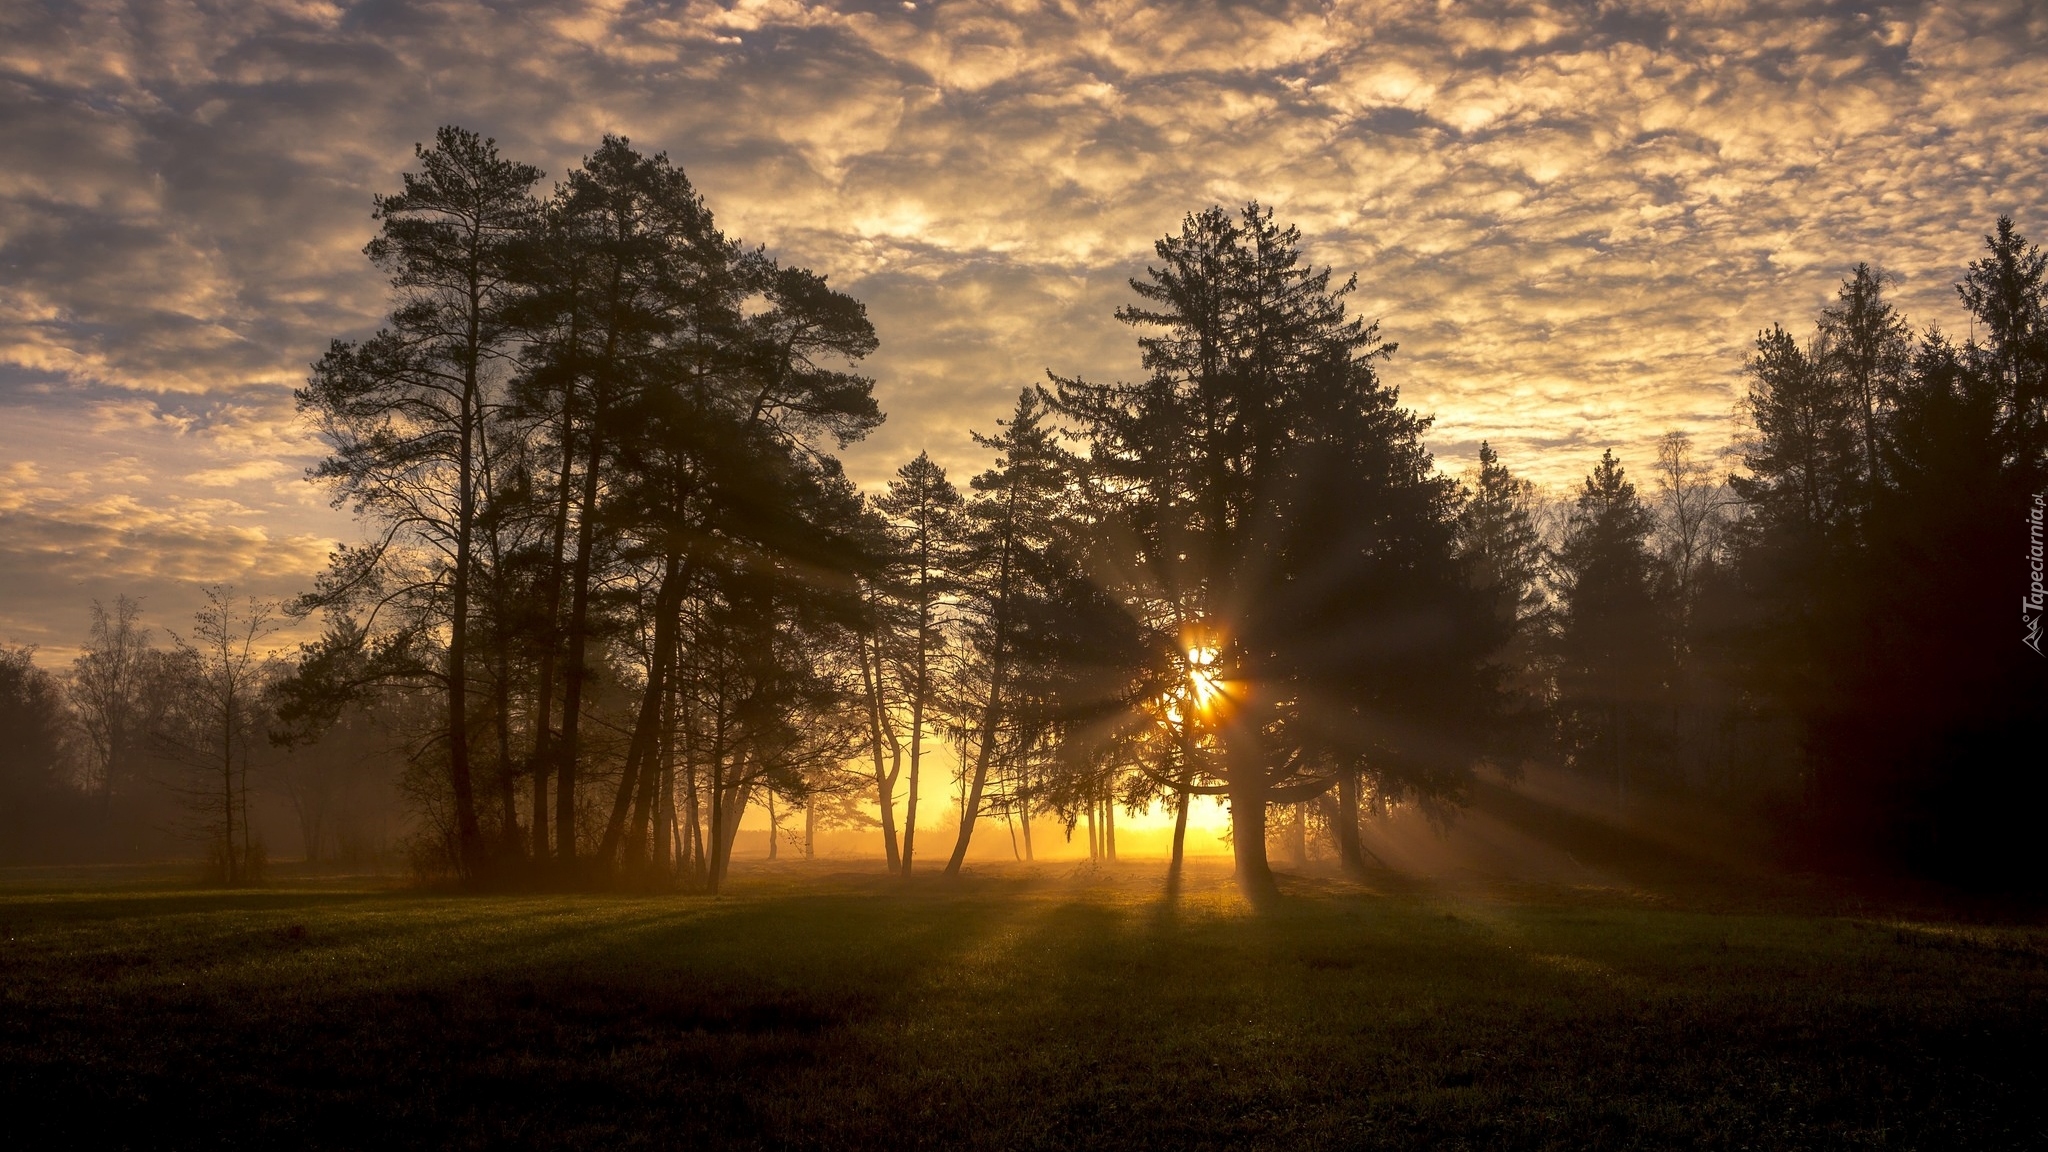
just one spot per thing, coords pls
(634, 241)
(1864, 347)
(1499, 541)
(1923, 691)
(587, 420)
(1885, 500)
(407, 412)
(219, 722)
(923, 511)
(1801, 456)
(719, 473)
(37, 795)
(106, 690)
(1270, 520)
(1690, 517)
(877, 640)
(1612, 661)
(2007, 292)
(1009, 518)
(767, 709)
(1797, 534)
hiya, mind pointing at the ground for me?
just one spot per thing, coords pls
(828, 1006)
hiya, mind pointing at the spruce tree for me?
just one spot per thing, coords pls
(1612, 660)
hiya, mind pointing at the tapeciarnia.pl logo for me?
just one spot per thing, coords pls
(2036, 598)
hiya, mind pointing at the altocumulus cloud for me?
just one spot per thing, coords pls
(1573, 218)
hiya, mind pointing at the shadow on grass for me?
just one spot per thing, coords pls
(1005, 1011)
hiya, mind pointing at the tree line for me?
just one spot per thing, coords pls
(145, 749)
(617, 587)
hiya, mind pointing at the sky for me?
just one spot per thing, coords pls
(1573, 219)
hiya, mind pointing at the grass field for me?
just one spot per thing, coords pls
(1073, 1008)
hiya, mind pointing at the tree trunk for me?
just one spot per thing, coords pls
(1349, 852)
(579, 605)
(227, 786)
(1024, 818)
(1297, 836)
(729, 815)
(916, 756)
(1247, 790)
(885, 798)
(540, 808)
(501, 712)
(970, 808)
(669, 605)
(467, 836)
(693, 831)
(242, 802)
(635, 790)
(1180, 837)
(715, 806)
(885, 782)
(576, 670)
(925, 596)
(664, 819)
(641, 822)
(665, 786)
(544, 697)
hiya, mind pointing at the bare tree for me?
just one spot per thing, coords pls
(106, 693)
(1691, 506)
(219, 721)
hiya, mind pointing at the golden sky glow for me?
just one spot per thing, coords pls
(1572, 218)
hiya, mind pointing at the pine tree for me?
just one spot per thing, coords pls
(407, 411)
(1008, 521)
(924, 511)
(1498, 539)
(1864, 348)
(1612, 659)
(1267, 515)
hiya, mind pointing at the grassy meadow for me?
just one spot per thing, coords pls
(823, 1006)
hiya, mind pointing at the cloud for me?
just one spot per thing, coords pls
(1573, 218)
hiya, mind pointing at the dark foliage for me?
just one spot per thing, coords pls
(1892, 550)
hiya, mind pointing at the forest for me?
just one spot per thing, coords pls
(613, 586)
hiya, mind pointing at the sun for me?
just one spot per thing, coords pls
(1204, 689)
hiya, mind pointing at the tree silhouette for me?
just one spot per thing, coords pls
(407, 411)
(1010, 517)
(924, 512)
(106, 690)
(1879, 544)
(1613, 663)
(1499, 540)
(1273, 525)
(219, 722)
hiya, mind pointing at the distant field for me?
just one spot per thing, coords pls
(1064, 1009)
